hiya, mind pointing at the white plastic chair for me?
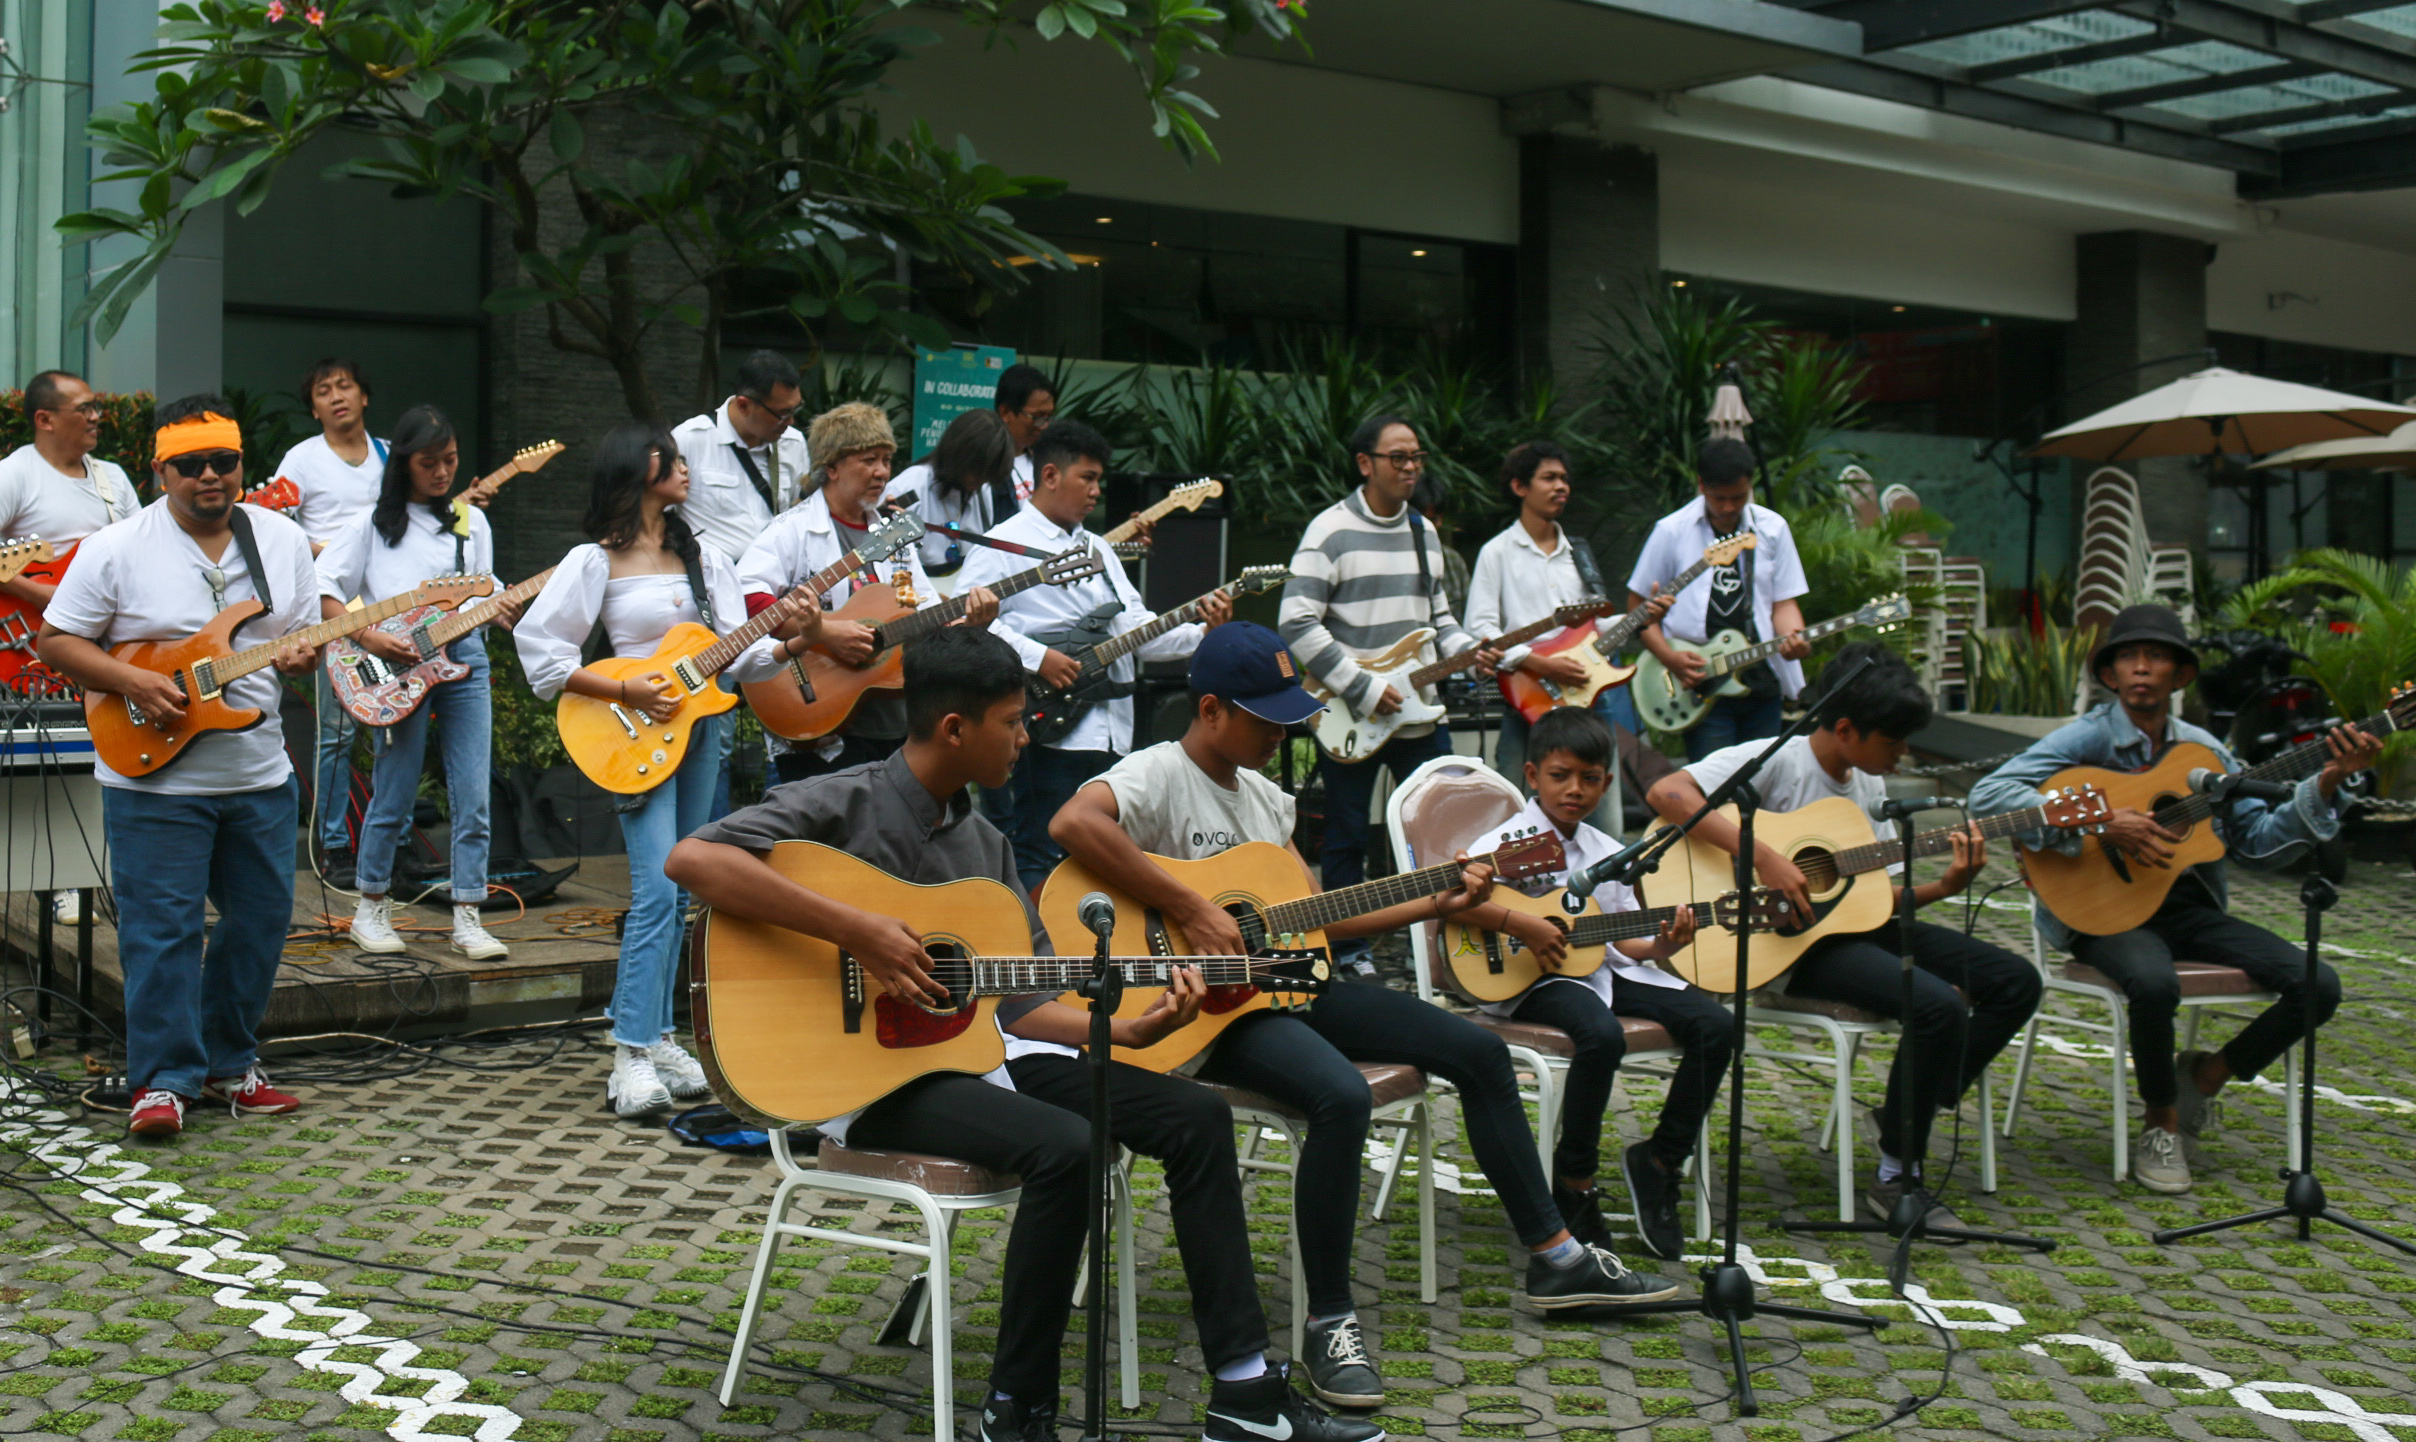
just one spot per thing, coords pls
(941, 1189)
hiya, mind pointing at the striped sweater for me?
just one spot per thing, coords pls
(1354, 591)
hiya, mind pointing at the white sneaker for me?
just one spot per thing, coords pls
(2158, 1162)
(471, 939)
(679, 1071)
(68, 908)
(636, 1088)
(373, 925)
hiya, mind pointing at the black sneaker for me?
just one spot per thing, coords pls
(1654, 1194)
(1581, 1213)
(1266, 1409)
(1597, 1281)
(1339, 1369)
(341, 863)
(1883, 1198)
(1007, 1420)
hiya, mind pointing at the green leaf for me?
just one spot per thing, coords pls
(857, 309)
(224, 179)
(478, 70)
(513, 299)
(568, 136)
(95, 224)
(1050, 22)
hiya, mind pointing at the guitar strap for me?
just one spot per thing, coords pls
(696, 589)
(1588, 572)
(241, 525)
(754, 472)
(1417, 542)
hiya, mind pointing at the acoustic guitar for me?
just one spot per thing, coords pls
(623, 751)
(1348, 737)
(376, 694)
(790, 1029)
(1093, 643)
(1261, 885)
(814, 694)
(205, 663)
(1593, 649)
(2100, 892)
(1845, 876)
(1487, 966)
(1668, 705)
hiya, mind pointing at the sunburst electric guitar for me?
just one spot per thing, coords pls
(1593, 648)
(1346, 736)
(1262, 886)
(1496, 966)
(376, 693)
(1667, 704)
(765, 998)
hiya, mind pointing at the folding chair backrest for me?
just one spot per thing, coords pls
(1443, 808)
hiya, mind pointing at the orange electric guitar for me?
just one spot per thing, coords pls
(764, 997)
(203, 664)
(1532, 696)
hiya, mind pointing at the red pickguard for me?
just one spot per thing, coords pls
(1222, 999)
(898, 1025)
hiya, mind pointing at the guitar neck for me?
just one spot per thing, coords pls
(1124, 643)
(931, 618)
(253, 658)
(1624, 629)
(1315, 913)
(1030, 975)
(734, 643)
(1764, 650)
(1873, 856)
(469, 618)
(1632, 925)
(1118, 535)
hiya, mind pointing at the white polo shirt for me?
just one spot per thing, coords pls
(335, 492)
(37, 499)
(723, 506)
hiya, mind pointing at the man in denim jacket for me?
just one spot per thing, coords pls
(2146, 659)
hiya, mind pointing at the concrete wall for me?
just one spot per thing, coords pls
(2306, 288)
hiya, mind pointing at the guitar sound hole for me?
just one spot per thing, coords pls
(950, 970)
(1819, 866)
(1253, 927)
(2167, 812)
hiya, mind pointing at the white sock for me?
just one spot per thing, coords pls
(1564, 1254)
(1889, 1168)
(1243, 1370)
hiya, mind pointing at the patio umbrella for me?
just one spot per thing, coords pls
(2218, 410)
(2394, 452)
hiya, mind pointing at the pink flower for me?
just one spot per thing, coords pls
(315, 15)
(276, 11)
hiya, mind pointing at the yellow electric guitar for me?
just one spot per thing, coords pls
(1496, 966)
(1182, 498)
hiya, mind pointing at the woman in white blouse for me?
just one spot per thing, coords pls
(635, 580)
(410, 535)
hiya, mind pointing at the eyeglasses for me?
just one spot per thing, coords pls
(89, 410)
(218, 584)
(1405, 460)
(224, 463)
(783, 414)
(1038, 418)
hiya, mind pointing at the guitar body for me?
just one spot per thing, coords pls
(1049, 713)
(1666, 705)
(1701, 872)
(786, 708)
(1349, 738)
(617, 747)
(2101, 892)
(371, 690)
(790, 1030)
(21, 622)
(1244, 881)
(133, 746)
(1496, 966)
(1532, 696)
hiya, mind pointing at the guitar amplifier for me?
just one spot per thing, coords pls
(1187, 549)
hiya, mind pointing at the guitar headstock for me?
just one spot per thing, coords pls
(1258, 580)
(889, 534)
(530, 458)
(2076, 808)
(15, 556)
(1067, 567)
(1193, 496)
(1529, 857)
(451, 590)
(1302, 972)
(1885, 612)
(1763, 909)
(280, 494)
(1721, 553)
(1585, 610)
(2402, 709)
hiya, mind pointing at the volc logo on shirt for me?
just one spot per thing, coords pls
(1221, 840)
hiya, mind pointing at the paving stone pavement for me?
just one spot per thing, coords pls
(492, 1255)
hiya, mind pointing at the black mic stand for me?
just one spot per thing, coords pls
(1909, 1222)
(1105, 992)
(2302, 1193)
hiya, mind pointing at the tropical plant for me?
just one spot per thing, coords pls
(2017, 673)
(273, 422)
(2359, 640)
(1847, 565)
(125, 430)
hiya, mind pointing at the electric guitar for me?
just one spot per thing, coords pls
(1347, 737)
(280, 494)
(814, 694)
(621, 749)
(1667, 704)
(1092, 641)
(376, 694)
(21, 621)
(1845, 876)
(765, 998)
(203, 664)
(1262, 886)
(1532, 695)
(1182, 498)
(2100, 891)
(1489, 966)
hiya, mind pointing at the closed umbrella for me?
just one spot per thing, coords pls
(2219, 410)
(2394, 452)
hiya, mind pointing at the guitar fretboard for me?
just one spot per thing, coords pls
(1185, 498)
(1624, 630)
(1315, 913)
(1633, 925)
(469, 618)
(224, 669)
(1124, 643)
(721, 653)
(1872, 856)
(1557, 621)
(1764, 650)
(1026, 975)
(2296, 764)
(931, 618)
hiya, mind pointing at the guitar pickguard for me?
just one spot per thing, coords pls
(898, 1024)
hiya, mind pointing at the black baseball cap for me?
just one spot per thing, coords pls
(1247, 665)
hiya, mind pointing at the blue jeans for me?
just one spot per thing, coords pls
(194, 1001)
(1732, 720)
(334, 794)
(1615, 708)
(1045, 779)
(465, 718)
(650, 940)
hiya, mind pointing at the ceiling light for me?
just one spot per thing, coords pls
(1107, 220)
(1417, 252)
(1678, 284)
(1898, 309)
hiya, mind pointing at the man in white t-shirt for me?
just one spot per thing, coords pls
(57, 489)
(1970, 997)
(217, 824)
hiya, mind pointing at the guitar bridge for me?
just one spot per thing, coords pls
(805, 686)
(851, 995)
(1153, 926)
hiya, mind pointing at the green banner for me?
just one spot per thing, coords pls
(948, 383)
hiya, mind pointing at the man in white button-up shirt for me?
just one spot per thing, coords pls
(745, 461)
(1069, 459)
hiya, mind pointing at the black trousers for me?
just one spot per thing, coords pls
(1033, 1133)
(2189, 925)
(1695, 1020)
(1947, 1042)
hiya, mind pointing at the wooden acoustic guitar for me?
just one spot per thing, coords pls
(2100, 892)
(1488, 966)
(790, 1028)
(378, 695)
(1593, 648)
(1095, 645)
(205, 663)
(1348, 737)
(814, 694)
(621, 750)
(1668, 705)
(1845, 876)
(1261, 885)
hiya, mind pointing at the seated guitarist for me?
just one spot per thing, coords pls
(1970, 997)
(2145, 660)
(911, 815)
(1204, 794)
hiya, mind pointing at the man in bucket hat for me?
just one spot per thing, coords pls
(2145, 660)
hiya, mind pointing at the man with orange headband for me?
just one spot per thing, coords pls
(218, 825)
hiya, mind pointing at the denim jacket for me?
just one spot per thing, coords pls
(2259, 834)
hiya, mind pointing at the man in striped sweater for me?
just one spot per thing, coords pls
(1369, 570)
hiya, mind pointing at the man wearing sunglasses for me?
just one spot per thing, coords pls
(57, 488)
(218, 824)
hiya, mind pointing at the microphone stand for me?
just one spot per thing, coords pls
(1105, 991)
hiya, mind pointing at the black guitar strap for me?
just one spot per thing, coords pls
(696, 589)
(1589, 574)
(754, 472)
(241, 525)
(1417, 541)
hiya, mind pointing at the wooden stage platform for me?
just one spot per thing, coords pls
(561, 966)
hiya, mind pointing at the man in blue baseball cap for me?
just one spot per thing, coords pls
(1205, 794)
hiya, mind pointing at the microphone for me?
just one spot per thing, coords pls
(2223, 786)
(1098, 912)
(1892, 809)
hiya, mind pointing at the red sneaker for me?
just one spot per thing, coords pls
(157, 1113)
(250, 1094)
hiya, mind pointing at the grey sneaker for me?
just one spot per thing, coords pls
(1340, 1372)
(1882, 1198)
(2158, 1163)
(2198, 1110)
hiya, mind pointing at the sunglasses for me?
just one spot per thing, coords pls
(191, 467)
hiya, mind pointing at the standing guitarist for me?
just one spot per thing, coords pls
(217, 826)
(2145, 659)
(57, 488)
(1068, 459)
(1754, 594)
